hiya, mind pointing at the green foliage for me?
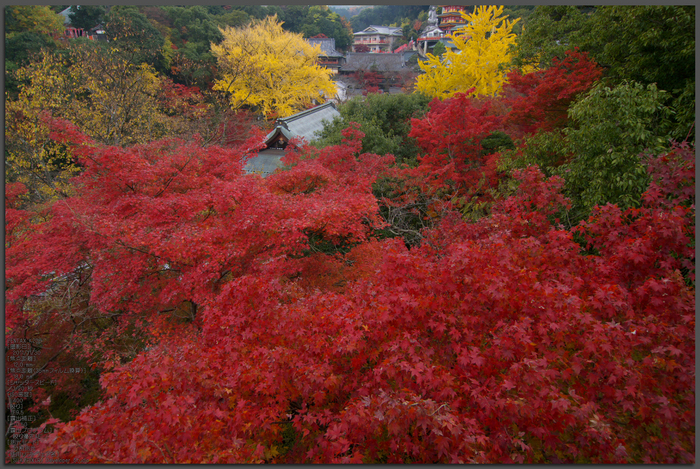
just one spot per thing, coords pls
(548, 150)
(548, 32)
(385, 15)
(193, 30)
(234, 19)
(257, 11)
(86, 16)
(439, 49)
(497, 141)
(294, 17)
(28, 30)
(649, 44)
(192, 33)
(32, 18)
(131, 32)
(314, 20)
(320, 20)
(385, 120)
(19, 49)
(612, 126)
(518, 11)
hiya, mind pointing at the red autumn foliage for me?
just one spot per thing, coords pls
(369, 81)
(451, 135)
(539, 100)
(312, 341)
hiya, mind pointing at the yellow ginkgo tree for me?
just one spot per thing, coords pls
(475, 61)
(265, 67)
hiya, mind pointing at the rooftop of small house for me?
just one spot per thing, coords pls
(306, 124)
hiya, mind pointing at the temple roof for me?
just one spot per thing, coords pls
(305, 124)
(266, 162)
(327, 46)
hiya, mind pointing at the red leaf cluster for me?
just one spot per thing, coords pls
(540, 100)
(451, 135)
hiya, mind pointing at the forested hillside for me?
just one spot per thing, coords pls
(496, 267)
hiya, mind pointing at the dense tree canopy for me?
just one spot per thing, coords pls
(86, 16)
(482, 277)
(284, 356)
(386, 15)
(384, 119)
(649, 44)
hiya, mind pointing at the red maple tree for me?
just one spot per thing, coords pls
(540, 100)
(239, 319)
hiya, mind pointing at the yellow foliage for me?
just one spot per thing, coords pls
(266, 67)
(34, 18)
(106, 96)
(31, 157)
(476, 61)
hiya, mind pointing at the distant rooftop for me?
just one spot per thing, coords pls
(305, 124)
(327, 46)
(375, 29)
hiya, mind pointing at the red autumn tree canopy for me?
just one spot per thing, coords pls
(450, 135)
(314, 341)
(540, 100)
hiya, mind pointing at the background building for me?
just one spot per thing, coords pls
(377, 38)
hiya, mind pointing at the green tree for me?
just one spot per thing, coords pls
(385, 119)
(32, 18)
(28, 30)
(20, 48)
(234, 19)
(548, 32)
(294, 17)
(193, 31)
(133, 34)
(439, 49)
(611, 128)
(598, 154)
(320, 20)
(649, 44)
(386, 15)
(86, 16)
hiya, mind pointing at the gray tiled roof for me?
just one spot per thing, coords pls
(327, 46)
(66, 15)
(265, 163)
(367, 61)
(386, 30)
(306, 124)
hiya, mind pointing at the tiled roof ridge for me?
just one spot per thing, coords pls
(305, 112)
